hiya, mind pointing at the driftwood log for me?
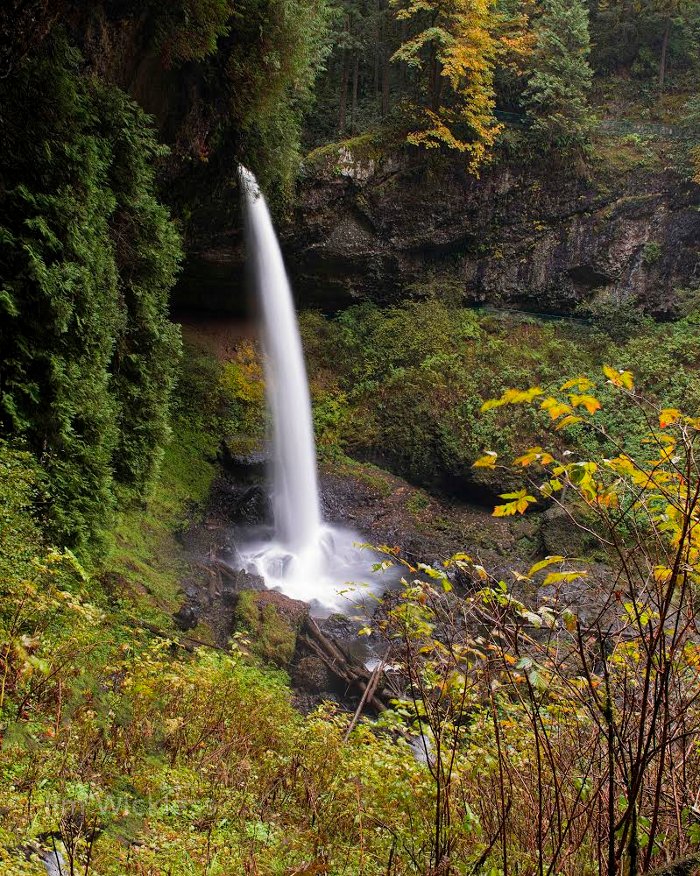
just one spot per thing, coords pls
(344, 666)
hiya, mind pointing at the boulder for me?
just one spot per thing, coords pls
(271, 622)
(311, 674)
(186, 617)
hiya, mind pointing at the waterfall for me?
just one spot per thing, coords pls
(295, 559)
(295, 483)
(303, 557)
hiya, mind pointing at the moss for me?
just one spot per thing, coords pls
(417, 502)
(651, 253)
(613, 156)
(371, 146)
(370, 474)
(273, 636)
(144, 561)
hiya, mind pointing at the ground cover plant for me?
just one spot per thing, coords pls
(519, 722)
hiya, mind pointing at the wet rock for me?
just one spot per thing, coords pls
(560, 536)
(224, 498)
(205, 539)
(54, 863)
(339, 627)
(186, 617)
(311, 674)
(254, 508)
(245, 468)
(237, 581)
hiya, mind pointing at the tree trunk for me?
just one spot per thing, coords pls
(355, 77)
(377, 51)
(343, 93)
(664, 53)
(385, 83)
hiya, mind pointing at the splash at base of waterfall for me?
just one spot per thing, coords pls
(334, 574)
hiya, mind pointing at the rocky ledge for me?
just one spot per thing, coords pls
(543, 240)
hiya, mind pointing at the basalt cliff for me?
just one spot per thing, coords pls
(540, 239)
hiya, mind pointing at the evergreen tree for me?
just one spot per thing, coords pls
(87, 354)
(647, 38)
(556, 97)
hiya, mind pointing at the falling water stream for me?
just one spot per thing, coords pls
(304, 558)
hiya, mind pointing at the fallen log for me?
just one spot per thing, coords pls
(377, 672)
(344, 667)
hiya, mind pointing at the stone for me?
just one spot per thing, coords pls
(519, 237)
(312, 675)
(254, 508)
(186, 617)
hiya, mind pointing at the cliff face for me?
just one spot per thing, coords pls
(539, 240)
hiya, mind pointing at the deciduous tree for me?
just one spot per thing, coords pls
(452, 51)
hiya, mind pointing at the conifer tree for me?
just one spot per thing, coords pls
(556, 97)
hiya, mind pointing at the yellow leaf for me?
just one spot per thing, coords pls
(567, 421)
(662, 574)
(607, 499)
(582, 383)
(488, 460)
(619, 377)
(668, 416)
(589, 402)
(513, 397)
(534, 454)
(542, 564)
(555, 408)
(558, 577)
(518, 506)
(491, 403)
(570, 620)
(522, 503)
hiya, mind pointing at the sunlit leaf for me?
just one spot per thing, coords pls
(567, 421)
(582, 383)
(589, 402)
(535, 454)
(668, 416)
(488, 460)
(619, 378)
(542, 564)
(555, 408)
(559, 577)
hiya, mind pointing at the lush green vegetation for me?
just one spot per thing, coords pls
(411, 398)
(470, 76)
(525, 735)
(135, 754)
(88, 355)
